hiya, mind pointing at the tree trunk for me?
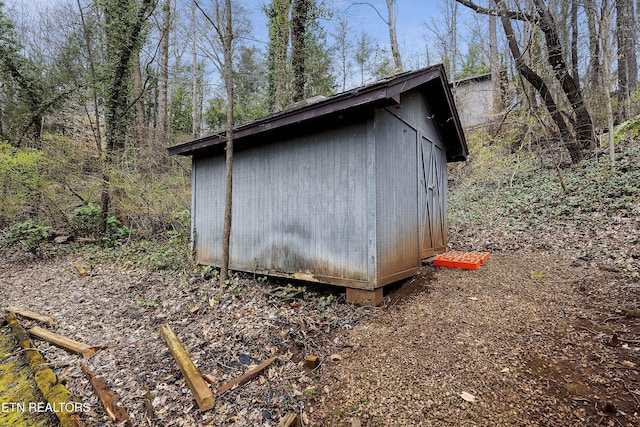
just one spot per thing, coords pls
(607, 54)
(124, 40)
(395, 50)
(278, 15)
(195, 104)
(163, 75)
(594, 71)
(627, 61)
(227, 41)
(137, 88)
(574, 42)
(494, 61)
(298, 52)
(584, 125)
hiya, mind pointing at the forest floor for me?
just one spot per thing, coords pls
(546, 333)
(533, 337)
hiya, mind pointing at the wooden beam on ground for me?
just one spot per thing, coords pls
(51, 387)
(47, 320)
(107, 397)
(65, 343)
(199, 388)
(289, 420)
(80, 269)
(247, 376)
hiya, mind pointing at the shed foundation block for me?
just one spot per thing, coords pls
(364, 296)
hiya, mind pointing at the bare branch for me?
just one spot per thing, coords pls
(520, 16)
(215, 26)
(364, 3)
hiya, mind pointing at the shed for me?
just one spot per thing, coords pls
(349, 190)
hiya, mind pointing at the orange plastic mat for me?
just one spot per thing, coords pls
(458, 259)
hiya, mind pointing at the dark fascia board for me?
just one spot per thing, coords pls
(460, 151)
(383, 92)
(466, 80)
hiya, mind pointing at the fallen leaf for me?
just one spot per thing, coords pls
(628, 364)
(194, 309)
(535, 275)
(505, 370)
(468, 397)
(336, 358)
(473, 298)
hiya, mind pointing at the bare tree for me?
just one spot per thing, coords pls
(581, 121)
(196, 98)
(607, 56)
(391, 22)
(163, 74)
(627, 60)
(222, 22)
(574, 42)
(594, 70)
(494, 61)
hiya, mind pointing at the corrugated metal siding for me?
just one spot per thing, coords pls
(411, 197)
(432, 196)
(298, 206)
(358, 205)
(396, 190)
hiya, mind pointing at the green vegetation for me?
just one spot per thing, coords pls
(17, 388)
(522, 189)
(57, 188)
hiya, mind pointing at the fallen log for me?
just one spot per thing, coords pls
(52, 388)
(247, 376)
(199, 388)
(47, 320)
(65, 343)
(107, 397)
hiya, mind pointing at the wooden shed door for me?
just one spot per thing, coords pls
(432, 197)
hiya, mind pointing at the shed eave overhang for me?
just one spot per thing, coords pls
(382, 93)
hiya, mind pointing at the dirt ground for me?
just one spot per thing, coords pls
(531, 338)
(527, 339)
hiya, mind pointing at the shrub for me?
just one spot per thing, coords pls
(27, 234)
(85, 220)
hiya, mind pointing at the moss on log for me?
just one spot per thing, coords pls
(58, 397)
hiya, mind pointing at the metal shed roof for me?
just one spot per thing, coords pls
(350, 105)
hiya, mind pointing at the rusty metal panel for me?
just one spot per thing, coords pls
(299, 206)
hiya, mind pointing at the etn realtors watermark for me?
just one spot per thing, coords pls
(39, 407)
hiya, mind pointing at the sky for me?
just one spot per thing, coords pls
(410, 20)
(411, 17)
